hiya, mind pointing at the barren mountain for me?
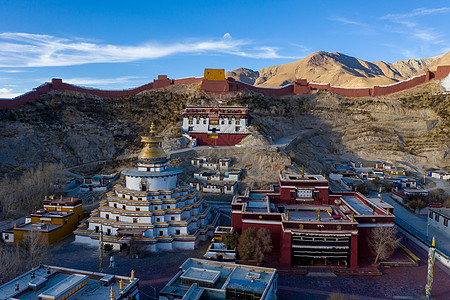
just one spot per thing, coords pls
(339, 70)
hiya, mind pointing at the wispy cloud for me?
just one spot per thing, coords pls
(418, 12)
(101, 81)
(416, 30)
(7, 93)
(12, 71)
(38, 50)
(346, 21)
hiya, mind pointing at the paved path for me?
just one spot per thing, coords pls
(419, 224)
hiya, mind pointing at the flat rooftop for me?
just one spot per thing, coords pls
(54, 281)
(358, 205)
(221, 275)
(257, 206)
(443, 211)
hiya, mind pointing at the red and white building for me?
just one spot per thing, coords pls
(310, 224)
(216, 125)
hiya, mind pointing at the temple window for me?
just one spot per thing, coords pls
(108, 231)
(117, 219)
(178, 231)
(138, 208)
(204, 121)
(115, 205)
(172, 218)
(107, 216)
(161, 233)
(135, 220)
(131, 197)
(436, 217)
(124, 207)
(97, 228)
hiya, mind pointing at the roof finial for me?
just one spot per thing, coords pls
(132, 274)
(303, 171)
(112, 296)
(433, 243)
(152, 128)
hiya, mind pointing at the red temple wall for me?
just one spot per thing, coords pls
(224, 139)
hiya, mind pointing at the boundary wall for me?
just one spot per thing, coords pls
(299, 87)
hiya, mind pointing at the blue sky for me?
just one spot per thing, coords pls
(122, 44)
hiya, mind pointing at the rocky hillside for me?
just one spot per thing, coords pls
(339, 70)
(410, 128)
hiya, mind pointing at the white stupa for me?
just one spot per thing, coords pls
(152, 210)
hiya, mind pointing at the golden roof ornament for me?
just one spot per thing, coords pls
(112, 296)
(153, 150)
(132, 274)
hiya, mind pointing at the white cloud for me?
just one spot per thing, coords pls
(227, 36)
(37, 50)
(418, 12)
(101, 81)
(7, 93)
(347, 21)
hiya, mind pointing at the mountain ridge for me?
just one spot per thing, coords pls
(339, 70)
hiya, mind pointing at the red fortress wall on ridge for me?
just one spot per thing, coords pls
(299, 87)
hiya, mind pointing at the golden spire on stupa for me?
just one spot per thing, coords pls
(153, 150)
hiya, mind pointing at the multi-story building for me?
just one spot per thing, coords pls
(308, 223)
(438, 218)
(216, 125)
(223, 164)
(152, 210)
(52, 282)
(205, 279)
(56, 220)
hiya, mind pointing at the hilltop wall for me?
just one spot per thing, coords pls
(299, 87)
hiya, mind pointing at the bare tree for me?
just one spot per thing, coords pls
(35, 248)
(255, 244)
(230, 240)
(247, 244)
(22, 195)
(383, 242)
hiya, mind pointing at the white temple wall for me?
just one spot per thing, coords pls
(153, 183)
(188, 245)
(164, 246)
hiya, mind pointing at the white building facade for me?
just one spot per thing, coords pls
(152, 210)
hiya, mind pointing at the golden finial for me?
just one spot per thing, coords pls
(112, 296)
(387, 210)
(324, 177)
(15, 225)
(303, 171)
(318, 214)
(152, 128)
(381, 198)
(287, 215)
(132, 274)
(71, 198)
(121, 286)
(60, 197)
(433, 243)
(353, 218)
(45, 198)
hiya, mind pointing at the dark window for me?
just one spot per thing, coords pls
(431, 215)
(97, 228)
(124, 207)
(6, 236)
(160, 232)
(138, 208)
(446, 222)
(117, 218)
(131, 197)
(436, 218)
(204, 121)
(115, 205)
(238, 128)
(172, 218)
(65, 221)
(108, 231)
(123, 196)
(134, 220)
(107, 216)
(178, 231)
(191, 128)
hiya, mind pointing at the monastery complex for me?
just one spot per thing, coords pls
(152, 210)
